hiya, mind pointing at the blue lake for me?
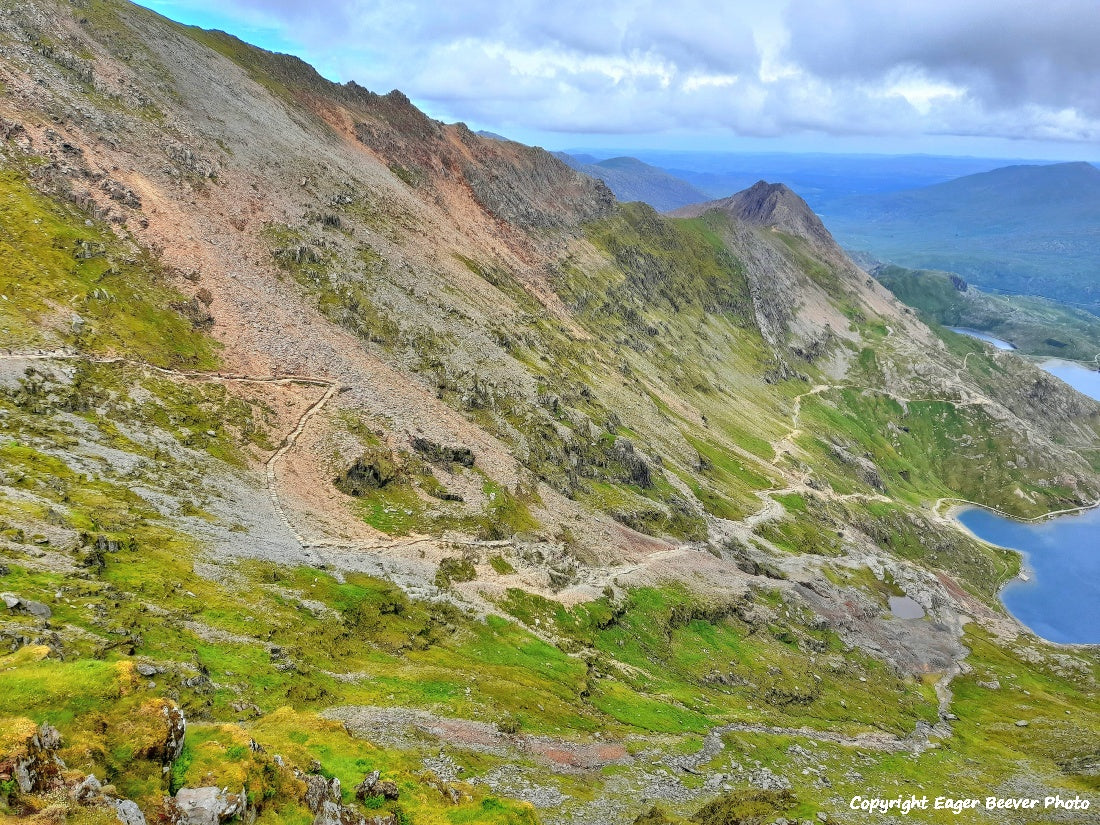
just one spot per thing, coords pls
(983, 336)
(1061, 601)
(1086, 381)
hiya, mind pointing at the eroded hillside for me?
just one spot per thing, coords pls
(369, 444)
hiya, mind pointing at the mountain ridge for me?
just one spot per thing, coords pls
(769, 205)
(345, 449)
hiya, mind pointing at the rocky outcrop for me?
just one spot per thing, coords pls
(207, 806)
(443, 454)
(374, 785)
(196, 312)
(27, 607)
(323, 800)
(372, 470)
(36, 767)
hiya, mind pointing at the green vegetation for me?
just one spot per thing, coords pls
(115, 298)
(1035, 325)
(652, 398)
(925, 450)
(1021, 229)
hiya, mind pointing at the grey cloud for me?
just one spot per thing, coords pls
(1005, 53)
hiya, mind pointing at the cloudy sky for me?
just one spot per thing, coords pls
(1009, 78)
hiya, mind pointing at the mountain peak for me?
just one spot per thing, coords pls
(770, 206)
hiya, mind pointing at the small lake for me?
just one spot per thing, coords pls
(1086, 381)
(983, 336)
(904, 607)
(1061, 600)
(1083, 379)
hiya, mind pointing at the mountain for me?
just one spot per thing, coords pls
(1021, 229)
(491, 135)
(769, 206)
(356, 468)
(632, 180)
(821, 178)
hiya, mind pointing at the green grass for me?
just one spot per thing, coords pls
(928, 450)
(1035, 325)
(56, 267)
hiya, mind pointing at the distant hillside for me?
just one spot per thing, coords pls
(1020, 229)
(1036, 326)
(490, 135)
(632, 180)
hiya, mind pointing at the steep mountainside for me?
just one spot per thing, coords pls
(632, 180)
(356, 468)
(1029, 230)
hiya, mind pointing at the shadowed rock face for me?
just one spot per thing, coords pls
(767, 205)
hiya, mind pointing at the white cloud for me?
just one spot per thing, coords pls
(1005, 68)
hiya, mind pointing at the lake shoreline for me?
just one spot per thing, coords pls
(953, 513)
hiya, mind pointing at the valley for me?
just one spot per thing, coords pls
(357, 468)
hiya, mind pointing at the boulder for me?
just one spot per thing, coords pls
(27, 606)
(128, 812)
(87, 791)
(372, 470)
(365, 788)
(374, 785)
(205, 806)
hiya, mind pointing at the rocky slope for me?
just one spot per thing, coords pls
(429, 484)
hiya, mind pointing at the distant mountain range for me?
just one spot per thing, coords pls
(818, 177)
(632, 180)
(1032, 230)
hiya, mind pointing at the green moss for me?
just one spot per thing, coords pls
(501, 565)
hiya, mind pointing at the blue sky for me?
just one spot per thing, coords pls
(994, 78)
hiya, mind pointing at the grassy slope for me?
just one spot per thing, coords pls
(638, 664)
(1036, 326)
(59, 269)
(647, 665)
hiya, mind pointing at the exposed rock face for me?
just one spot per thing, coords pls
(205, 806)
(442, 454)
(39, 767)
(520, 185)
(320, 790)
(372, 470)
